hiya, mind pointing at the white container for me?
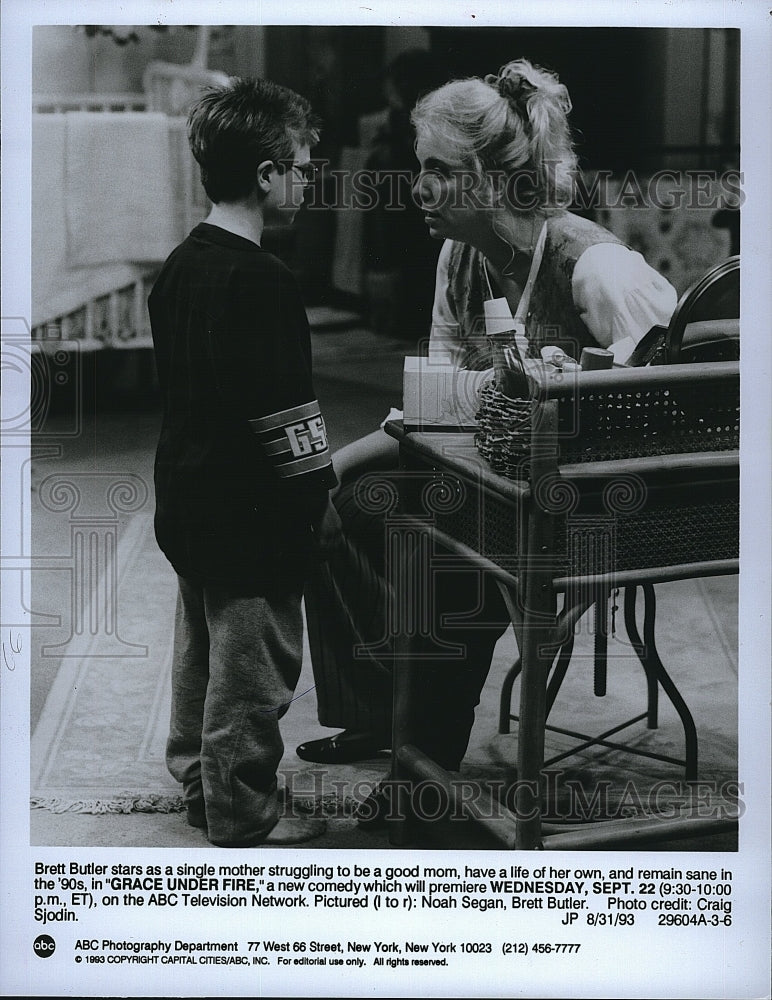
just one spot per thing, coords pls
(439, 396)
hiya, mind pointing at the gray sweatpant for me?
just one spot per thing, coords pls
(235, 666)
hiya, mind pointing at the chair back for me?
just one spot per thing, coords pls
(705, 323)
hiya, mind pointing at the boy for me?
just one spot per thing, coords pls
(242, 468)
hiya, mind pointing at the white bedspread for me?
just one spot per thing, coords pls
(119, 187)
(105, 204)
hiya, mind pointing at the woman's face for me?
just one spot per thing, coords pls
(453, 197)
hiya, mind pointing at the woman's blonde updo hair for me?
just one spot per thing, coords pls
(514, 123)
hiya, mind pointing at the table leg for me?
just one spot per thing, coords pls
(530, 742)
(402, 823)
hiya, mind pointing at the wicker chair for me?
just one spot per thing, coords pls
(647, 439)
(620, 478)
(704, 328)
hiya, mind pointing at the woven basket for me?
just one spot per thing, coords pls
(503, 437)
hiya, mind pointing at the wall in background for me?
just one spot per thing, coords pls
(700, 123)
(643, 98)
(66, 61)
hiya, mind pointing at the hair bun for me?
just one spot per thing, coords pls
(514, 86)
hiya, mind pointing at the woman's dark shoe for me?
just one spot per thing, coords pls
(344, 748)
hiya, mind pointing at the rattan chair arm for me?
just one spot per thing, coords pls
(637, 379)
(651, 574)
(653, 465)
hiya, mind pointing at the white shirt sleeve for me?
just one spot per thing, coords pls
(619, 297)
(445, 336)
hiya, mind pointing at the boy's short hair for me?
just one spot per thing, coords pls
(234, 128)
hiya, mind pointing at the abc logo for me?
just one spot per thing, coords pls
(44, 946)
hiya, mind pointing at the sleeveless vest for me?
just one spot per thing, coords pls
(552, 317)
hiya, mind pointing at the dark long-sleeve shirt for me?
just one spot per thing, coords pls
(242, 467)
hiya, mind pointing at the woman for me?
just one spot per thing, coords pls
(497, 171)
(498, 167)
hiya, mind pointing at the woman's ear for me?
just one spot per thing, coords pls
(263, 177)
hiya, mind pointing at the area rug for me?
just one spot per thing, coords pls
(99, 744)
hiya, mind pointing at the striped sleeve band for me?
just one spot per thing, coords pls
(295, 439)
